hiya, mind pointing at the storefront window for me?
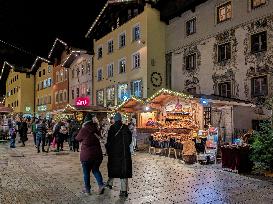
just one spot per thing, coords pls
(100, 98)
(122, 92)
(110, 94)
(136, 88)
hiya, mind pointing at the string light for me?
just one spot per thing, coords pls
(170, 92)
(55, 42)
(15, 47)
(37, 59)
(72, 53)
(4, 65)
(98, 17)
(129, 99)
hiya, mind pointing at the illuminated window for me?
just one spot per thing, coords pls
(224, 12)
(136, 88)
(100, 97)
(122, 66)
(110, 94)
(110, 70)
(257, 3)
(122, 92)
(136, 33)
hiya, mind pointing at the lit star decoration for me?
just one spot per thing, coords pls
(167, 91)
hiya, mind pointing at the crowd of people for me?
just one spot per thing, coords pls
(109, 137)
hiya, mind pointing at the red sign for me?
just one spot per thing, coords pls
(82, 101)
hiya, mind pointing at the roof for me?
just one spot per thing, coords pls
(70, 108)
(74, 54)
(172, 8)
(131, 105)
(37, 63)
(57, 48)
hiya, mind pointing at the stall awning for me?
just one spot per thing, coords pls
(132, 104)
(5, 110)
(71, 109)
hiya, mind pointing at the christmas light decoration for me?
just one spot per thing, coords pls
(170, 92)
(37, 59)
(15, 47)
(76, 53)
(131, 98)
(55, 42)
(4, 65)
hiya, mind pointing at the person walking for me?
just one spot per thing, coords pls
(12, 133)
(119, 155)
(33, 130)
(132, 128)
(41, 135)
(74, 130)
(23, 131)
(91, 153)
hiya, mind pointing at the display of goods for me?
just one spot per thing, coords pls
(189, 148)
(189, 159)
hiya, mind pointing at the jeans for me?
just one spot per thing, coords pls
(39, 140)
(123, 183)
(12, 142)
(34, 138)
(87, 166)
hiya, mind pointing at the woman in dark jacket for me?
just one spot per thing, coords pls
(23, 131)
(119, 155)
(91, 153)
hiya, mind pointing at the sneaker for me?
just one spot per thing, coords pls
(84, 191)
(123, 194)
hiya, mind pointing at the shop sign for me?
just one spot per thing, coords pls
(28, 109)
(42, 108)
(82, 101)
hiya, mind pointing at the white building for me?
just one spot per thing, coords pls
(223, 48)
(80, 78)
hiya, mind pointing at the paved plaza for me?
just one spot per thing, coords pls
(28, 177)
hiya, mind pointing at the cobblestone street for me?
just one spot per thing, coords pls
(28, 177)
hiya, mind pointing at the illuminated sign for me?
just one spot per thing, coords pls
(42, 108)
(28, 109)
(82, 101)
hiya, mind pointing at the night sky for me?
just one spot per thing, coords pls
(34, 25)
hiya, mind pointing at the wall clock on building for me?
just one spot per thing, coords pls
(156, 79)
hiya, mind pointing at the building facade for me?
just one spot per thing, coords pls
(130, 60)
(223, 48)
(44, 90)
(80, 79)
(20, 92)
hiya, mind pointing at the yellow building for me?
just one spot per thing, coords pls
(43, 90)
(130, 60)
(20, 92)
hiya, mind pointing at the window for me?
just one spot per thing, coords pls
(17, 103)
(43, 72)
(45, 83)
(99, 52)
(45, 100)
(136, 33)
(40, 73)
(110, 94)
(56, 97)
(49, 69)
(82, 69)
(99, 74)
(259, 86)
(191, 90)
(191, 26)
(122, 40)
(72, 94)
(224, 12)
(62, 75)
(57, 77)
(78, 71)
(27, 75)
(191, 61)
(88, 67)
(257, 3)
(49, 82)
(225, 89)
(122, 92)
(49, 100)
(110, 46)
(224, 52)
(65, 95)
(122, 66)
(61, 96)
(259, 42)
(78, 92)
(100, 97)
(73, 73)
(11, 92)
(136, 88)
(110, 70)
(65, 74)
(136, 60)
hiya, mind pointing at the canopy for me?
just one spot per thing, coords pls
(131, 105)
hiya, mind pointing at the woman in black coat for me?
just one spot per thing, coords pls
(119, 155)
(23, 129)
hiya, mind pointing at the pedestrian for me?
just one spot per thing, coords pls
(119, 155)
(23, 131)
(74, 130)
(132, 128)
(33, 130)
(12, 133)
(41, 135)
(105, 125)
(91, 153)
(57, 133)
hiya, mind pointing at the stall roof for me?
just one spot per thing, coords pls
(132, 104)
(70, 108)
(5, 110)
(164, 94)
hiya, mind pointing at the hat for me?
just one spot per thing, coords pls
(117, 117)
(89, 117)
